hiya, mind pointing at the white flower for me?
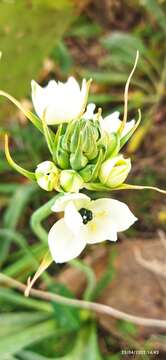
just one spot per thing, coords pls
(111, 123)
(60, 102)
(86, 221)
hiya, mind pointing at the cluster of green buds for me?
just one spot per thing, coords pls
(81, 146)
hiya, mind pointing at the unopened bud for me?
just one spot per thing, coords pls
(87, 172)
(114, 171)
(47, 175)
(71, 181)
(62, 156)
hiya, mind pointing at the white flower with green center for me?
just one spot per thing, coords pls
(86, 221)
(60, 102)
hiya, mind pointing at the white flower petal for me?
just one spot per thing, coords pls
(120, 214)
(111, 123)
(98, 230)
(83, 93)
(89, 114)
(62, 102)
(45, 166)
(112, 117)
(77, 198)
(63, 245)
(129, 125)
(101, 227)
(72, 218)
(38, 98)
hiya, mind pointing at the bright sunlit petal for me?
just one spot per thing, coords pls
(63, 244)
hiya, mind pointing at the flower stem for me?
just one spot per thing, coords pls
(96, 307)
(39, 215)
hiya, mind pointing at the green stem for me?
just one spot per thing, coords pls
(39, 215)
(91, 278)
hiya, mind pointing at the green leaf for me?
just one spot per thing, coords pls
(17, 341)
(85, 30)
(155, 9)
(67, 317)
(86, 346)
(62, 56)
(124, 42)
(10, 297)
(127, 328)
(21, 197)
(12, 215)
(30, 355)
(19, 321)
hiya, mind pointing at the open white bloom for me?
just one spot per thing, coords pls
(59, 102)
(86, 221)
(110, 123)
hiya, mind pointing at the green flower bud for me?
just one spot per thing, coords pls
(62, 156)
(114, 171)
(89, 132)
(67, 135)
(91, 171)
(90, 136)
(111, 144)
(75, 136)
(71, 181)
(87, 172)
(47, 175)
(77, 159)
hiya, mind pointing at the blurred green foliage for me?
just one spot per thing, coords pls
(28, 32)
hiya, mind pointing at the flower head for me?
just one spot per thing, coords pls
(60, 102)
(86, 221)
